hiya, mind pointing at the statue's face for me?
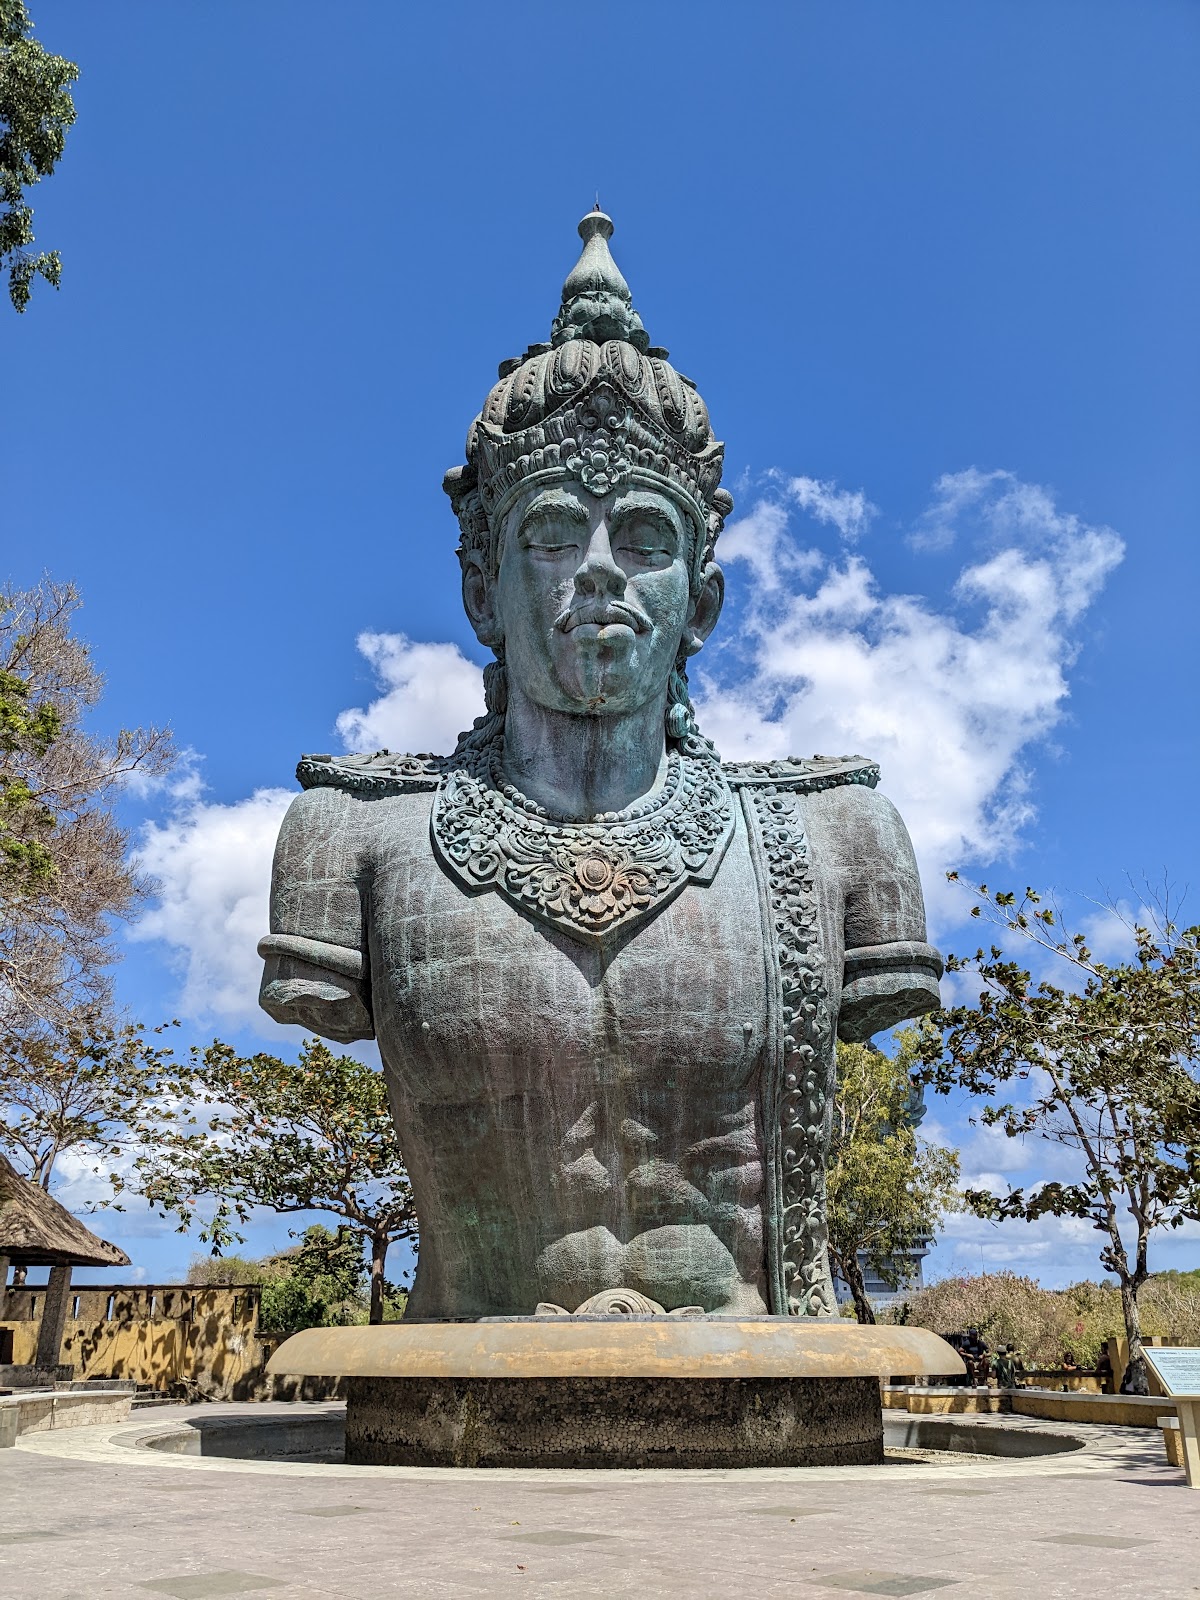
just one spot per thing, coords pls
(592, 599)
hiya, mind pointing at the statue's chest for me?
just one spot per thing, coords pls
(474, 998)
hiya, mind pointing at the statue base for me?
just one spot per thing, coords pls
(615, 1392)
(613, 1422)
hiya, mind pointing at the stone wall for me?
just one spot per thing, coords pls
(195, 1341)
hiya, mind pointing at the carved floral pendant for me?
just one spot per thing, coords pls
(591, 880)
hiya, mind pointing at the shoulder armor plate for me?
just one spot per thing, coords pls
(388, 772)
(803, 776)
(375, 776)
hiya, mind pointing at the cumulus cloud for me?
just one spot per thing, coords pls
(431, 692)
(948, 697)
(847, 510)
(212, 864)
(212, 861)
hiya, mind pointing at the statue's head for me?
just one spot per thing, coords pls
(589, 507)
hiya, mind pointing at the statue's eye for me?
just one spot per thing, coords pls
(647, 542)
(547, 537)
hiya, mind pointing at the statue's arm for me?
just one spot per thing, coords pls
(890, 971)
(315, 971)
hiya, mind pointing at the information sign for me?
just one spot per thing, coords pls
(1176, 1367)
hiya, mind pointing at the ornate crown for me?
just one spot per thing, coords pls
(600, 404)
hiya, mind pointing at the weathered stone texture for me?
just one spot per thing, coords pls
(614, 1422)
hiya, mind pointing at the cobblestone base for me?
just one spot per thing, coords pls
(614, 1422)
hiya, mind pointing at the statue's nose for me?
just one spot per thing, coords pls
(598, 573)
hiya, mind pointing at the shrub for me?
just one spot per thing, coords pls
(1043, 1323)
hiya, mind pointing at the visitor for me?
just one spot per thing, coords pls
(1008, 1367)
(1069, 1363)
(1104, 1369)
(975, 1353)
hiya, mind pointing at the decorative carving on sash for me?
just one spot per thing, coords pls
(807, 1047)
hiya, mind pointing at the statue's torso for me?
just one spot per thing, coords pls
(575, 1117)
(641, 1108)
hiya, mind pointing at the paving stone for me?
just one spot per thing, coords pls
(1101, 1541)
(868, 1581)
(952, 1488)
(331, 1511)
(211, 1585)
(554, 1536)
(787, 1511)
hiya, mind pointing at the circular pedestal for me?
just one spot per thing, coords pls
(620, 1392)
(614, 1422)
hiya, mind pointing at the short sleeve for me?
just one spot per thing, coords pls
(890, 971)
(316, 972)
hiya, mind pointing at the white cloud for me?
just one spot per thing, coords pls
(761, 539)
(1109, 930)
(213, 867)
(847, 510)
(1054, 1250)
(431, 693)
(953, 493)
(212, 862)
(948, 698)
(182, 783)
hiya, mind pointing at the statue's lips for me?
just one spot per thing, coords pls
(593, 621)
(600, 632)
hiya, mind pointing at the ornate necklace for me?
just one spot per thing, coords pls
(591, 880)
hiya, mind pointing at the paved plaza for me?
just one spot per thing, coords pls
(88, 1514)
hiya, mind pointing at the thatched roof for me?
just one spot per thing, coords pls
(35, 1231)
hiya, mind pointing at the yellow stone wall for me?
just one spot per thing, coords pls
(155, 1334)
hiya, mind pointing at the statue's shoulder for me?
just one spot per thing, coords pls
(373, 777)
(803, 775)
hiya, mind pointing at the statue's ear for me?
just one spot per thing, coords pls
(479, 601)
(706, 608)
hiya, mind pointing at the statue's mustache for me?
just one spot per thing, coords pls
(604, 613)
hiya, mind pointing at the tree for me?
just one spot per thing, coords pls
(321, 1282)
(885, 1187)
(1106, 1068)
(36, 110)
(64, 872)
(79, 1087)
(317, 1285)
(254, 1131)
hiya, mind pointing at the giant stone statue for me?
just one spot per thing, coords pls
(606, 970)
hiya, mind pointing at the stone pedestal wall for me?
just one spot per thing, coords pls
(614, 1422)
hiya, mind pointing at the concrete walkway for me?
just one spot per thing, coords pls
(85, 1513)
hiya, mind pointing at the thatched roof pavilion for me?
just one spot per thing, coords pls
(35, 1231)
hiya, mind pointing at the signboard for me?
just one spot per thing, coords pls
(1176, 1367)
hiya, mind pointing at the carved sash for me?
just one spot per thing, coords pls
(800, 1057)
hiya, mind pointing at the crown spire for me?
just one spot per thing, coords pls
(596, 302)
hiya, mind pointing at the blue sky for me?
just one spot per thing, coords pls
(932, 267)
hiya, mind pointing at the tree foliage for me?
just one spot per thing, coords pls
(64, 872)
(36, 110)
(241, 1132)
(1045, 1323)
(1104, 1065)
(84, 1087)
(322, 1282)
(885, 1187)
